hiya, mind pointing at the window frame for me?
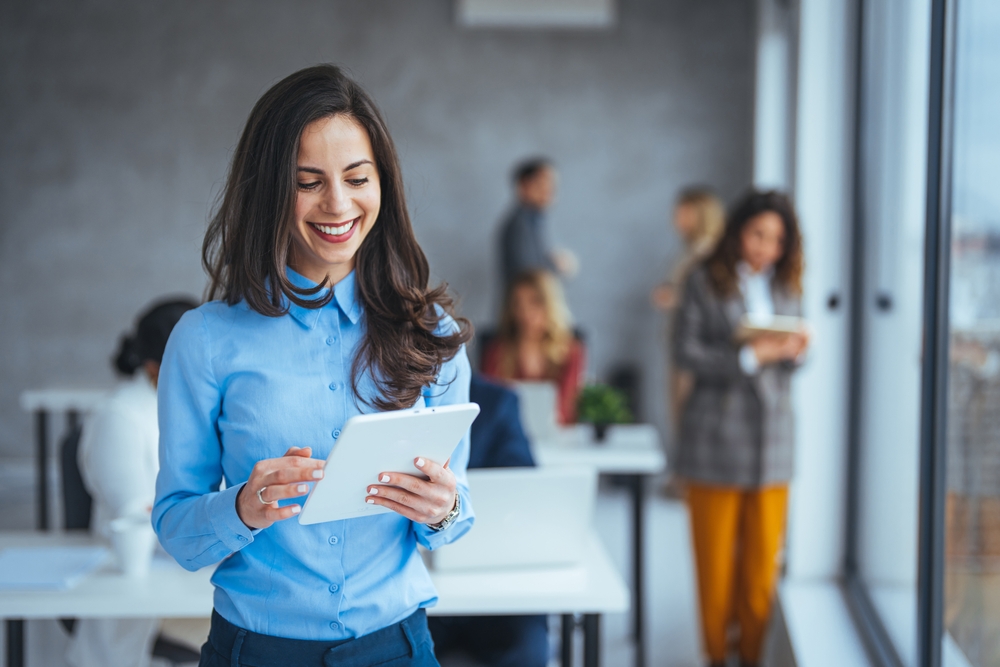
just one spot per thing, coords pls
(934, 361)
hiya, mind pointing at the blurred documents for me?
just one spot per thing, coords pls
(48, 568)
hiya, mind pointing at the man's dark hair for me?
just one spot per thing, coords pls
(528, 169)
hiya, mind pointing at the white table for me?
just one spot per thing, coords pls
(628, 449)
(632, 451)
(42, 402)
(592, 588)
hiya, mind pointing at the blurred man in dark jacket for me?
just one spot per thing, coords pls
(524, 239)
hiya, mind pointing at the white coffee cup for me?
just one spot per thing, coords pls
(134, 542)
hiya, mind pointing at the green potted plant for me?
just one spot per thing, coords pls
(602, 405)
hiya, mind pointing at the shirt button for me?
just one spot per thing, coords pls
(334, 539)
(334, 588)
(333, 386)
(335, 626)
(330, 340)
(241, 538)
(336, 433)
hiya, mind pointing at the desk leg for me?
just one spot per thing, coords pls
(42, 472)
(638, 574)
(567, 629)
(591, 640)
(15, 643)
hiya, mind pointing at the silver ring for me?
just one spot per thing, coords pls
(261, 497)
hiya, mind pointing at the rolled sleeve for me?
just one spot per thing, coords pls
(196, 523)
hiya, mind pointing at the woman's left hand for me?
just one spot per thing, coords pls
(421, 500)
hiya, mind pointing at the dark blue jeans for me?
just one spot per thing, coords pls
(404, 644)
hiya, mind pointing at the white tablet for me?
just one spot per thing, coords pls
(382, 442)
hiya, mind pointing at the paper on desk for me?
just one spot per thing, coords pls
(48, 568)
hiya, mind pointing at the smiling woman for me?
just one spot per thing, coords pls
(320, 311)
(330, 148)
(337, 203)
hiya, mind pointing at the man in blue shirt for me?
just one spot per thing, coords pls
(497, 441)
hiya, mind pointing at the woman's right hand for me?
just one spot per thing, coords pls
(664, 297)
(280, 478)
(774, 348)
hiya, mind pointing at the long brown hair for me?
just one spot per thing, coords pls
(249, 239)
(727, 254)
(558, 332)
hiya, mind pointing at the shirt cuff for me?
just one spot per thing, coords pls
(229, 527)
(748, 361)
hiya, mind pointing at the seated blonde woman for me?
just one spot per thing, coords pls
(535, 340)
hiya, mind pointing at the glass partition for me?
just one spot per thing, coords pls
(889, 266)
(924, 539)
(971, 612)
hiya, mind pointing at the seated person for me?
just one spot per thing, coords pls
(535, 341)
(119, 460)
(497, 441)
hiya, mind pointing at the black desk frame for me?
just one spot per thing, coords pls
(591, 625)
(15, 627)
(636, 485)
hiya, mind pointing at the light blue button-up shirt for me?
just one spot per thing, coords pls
(236, 387)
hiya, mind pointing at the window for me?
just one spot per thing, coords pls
(923, 561)
(971, 614)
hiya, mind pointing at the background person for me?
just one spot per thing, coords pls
(524, 237)
(698, 218)
(118, 464)
(535, 341)
(737, 430)
(497, 441)
(309, 329)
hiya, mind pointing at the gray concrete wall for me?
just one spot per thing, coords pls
(117, 120)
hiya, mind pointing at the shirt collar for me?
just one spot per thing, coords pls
(344, 295)
(745, 273)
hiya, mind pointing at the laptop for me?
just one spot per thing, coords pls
(539, 405)
(525, 517)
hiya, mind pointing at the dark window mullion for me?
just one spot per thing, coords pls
(934, 371)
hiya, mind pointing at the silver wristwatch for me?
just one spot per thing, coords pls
(450, 519)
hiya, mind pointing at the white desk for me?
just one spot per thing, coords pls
(629, 449)
(632, 451)
(593, 588)
(169, 592)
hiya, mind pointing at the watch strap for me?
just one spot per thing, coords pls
(450, 519)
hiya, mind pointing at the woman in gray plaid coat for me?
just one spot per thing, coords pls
(737, 432)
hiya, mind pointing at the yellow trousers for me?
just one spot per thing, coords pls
(738, 535)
